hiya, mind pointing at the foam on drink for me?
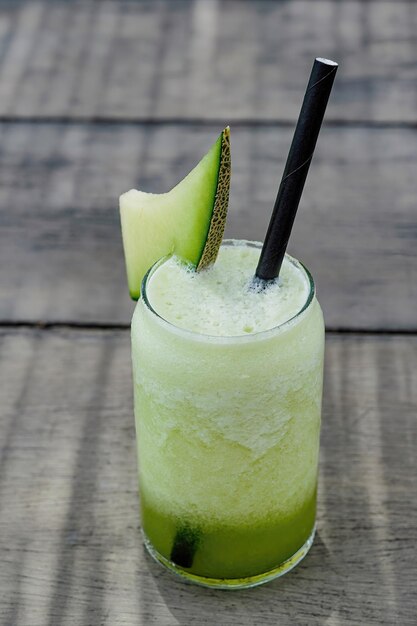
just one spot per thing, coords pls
(218, 301)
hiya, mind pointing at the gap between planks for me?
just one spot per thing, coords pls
(69, 120)
(100, 326)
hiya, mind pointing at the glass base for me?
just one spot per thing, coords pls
(232, 583)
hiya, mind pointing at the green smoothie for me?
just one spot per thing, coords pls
(228, 385)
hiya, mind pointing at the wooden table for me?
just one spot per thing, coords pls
(98, 97)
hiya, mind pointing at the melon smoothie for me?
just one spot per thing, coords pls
(227, 384)
(227, 353)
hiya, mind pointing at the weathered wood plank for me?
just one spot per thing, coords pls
(69, 542)
(205, 58)
(60, 246)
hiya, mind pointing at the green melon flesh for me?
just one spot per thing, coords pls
(189, 220)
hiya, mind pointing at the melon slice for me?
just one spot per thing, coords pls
(189, 220)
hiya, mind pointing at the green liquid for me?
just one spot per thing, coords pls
(233, 551)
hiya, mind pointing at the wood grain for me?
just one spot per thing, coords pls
(60, 246)
(131, 93)
(211, 59)
(69, 540)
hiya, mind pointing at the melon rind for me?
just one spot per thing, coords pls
(221, 204)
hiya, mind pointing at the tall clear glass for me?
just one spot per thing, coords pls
(228, 440)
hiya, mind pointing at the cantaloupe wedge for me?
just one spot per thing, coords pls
(188, 221)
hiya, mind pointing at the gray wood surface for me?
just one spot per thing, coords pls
(69, 540)
(97, 96)
(205, 58)
(60, 245)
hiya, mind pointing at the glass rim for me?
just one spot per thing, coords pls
(247, 337)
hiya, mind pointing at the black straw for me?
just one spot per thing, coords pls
(185, 545)
(296, 168)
